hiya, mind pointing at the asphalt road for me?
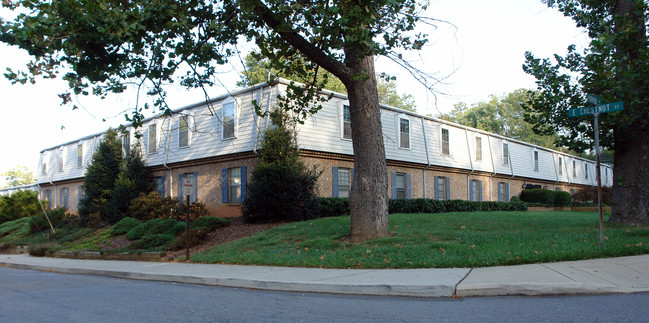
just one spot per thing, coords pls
(33, 296)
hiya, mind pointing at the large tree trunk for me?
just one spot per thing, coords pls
(630, 196)
(368, 198)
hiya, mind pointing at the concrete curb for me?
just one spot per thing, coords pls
(597, 276)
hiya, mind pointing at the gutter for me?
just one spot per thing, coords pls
(171, 175)
(468, 184)
(493, 165)
(423, 129)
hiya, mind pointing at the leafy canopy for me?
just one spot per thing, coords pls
(17, 176)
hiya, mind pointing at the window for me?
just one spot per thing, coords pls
(229, 119)
(574, 169)
(183, 132)
(81, 194)
(159, 185)
(400, 186)
(80, 155)
(341, 181)
(48, 198)
(63, 198)
(126, 143)
(233, 185)
(585, 170)
(503, 192)
(536, 161)
(60, 157)
(605, 175)
(478, 148)
(505, 153)
(347, 123)
(44, 168)
(445, 142)
(475, 190)
(442, 188)
(153, 139)
(560, 165)
(404, 133)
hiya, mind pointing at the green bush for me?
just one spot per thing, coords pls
(156, 226)
(18, 205)
(333, 206)
(138, 232)
(546, 197)
(588, 195)
(196, 236)
(39, 222)
(15, 230)
(153, 242)
(210, 223)
(153, 206)
(41, 250)
(124, 225)
(562, 198)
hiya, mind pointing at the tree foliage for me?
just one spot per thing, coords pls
(18, 205)
(18, 176)
(501, 115)
(614, 67)
(132, 180)
(282, 187)
(103, 46)
(100, 177)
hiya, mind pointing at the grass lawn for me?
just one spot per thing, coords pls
(473, 239)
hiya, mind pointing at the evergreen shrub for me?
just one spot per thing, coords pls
(333, 206)
(124, 225)
(153, 206)
(39, 222)
(210, 223)
(153, 242)
(18, 205)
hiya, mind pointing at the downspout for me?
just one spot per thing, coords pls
(511, 169)
(52, 183)
(423, 129)
(171, 174)
(468, 183)
(493, 165)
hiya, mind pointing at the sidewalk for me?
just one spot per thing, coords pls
(613, 275)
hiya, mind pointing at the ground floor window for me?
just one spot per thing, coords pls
(159, 185)
(64, 198)
(442, 191)
(400, 185)
(233, 184)
(341, 181)
(503, 192)
(48, 197)
(475, 190)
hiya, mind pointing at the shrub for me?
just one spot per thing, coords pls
(333, 206)
(153, 241)
(538, 196)
(39, 222)
(18, 205)
(15, 230)
(562, 198)
(589, 195)
(156, 226)
(196, 236)
(124, 225)
(210, 223)
(153, 206)
(40, 250)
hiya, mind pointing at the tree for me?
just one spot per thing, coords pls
(501, 115)
(109, 44)
(257, 69)
(100, 176)
(132, 180)
(614, 67)
(282, 188)
(18, 176)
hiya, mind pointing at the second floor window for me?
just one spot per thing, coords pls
(478, 148)
(60, 157)
(536, 161)
(347, 123)
(126, 143)
(228, 120)
(80, 155)
(446, 148)
(153, 139)
(404, 133)
(586, 171)
(574, 169)
(183, 131)
(505, 153)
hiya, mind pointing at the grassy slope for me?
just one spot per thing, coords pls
(474, 239)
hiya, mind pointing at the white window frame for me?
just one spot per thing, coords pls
(441, 181)
(441, 141)
(126, 142)
(474, 189)
(342, 178)
(478, 153)
(502, 192)
(401, 190)
(560, 165)
(574, 168)
(80, 155)
(60, 159)
(535, 160)
(187, 118)
(155, 137)
(232, 184)
(585, 170)
(230, 101)
(403, 117)
(505, 156)
(341, 119)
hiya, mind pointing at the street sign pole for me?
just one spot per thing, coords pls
(599, 181)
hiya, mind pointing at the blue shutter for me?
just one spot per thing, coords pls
(180, 188)
(435, 187)
(244, 178)
(195, 195)
(408, 189)
(507, 192)
(394, 185)
(224, 185)
(162, 178)
(480, 191)
(448, 188)
(334, 181)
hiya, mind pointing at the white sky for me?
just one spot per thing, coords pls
(483, 56)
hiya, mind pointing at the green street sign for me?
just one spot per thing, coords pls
(602, 108)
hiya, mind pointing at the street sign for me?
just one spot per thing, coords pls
(188, 185)
(602, 108)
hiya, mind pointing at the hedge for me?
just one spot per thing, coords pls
(546, 197)
(337, 206)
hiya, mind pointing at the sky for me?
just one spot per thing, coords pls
(477, 47)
